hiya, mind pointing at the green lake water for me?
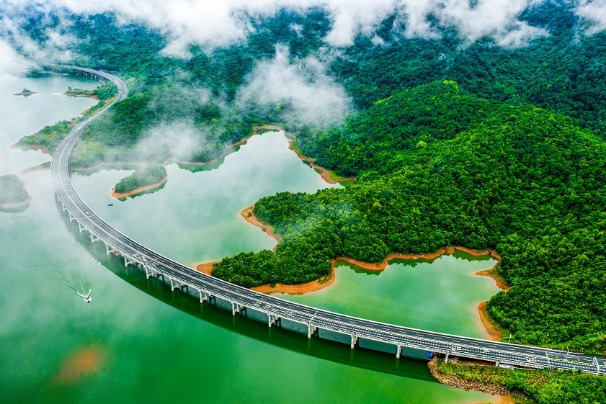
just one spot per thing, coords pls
(136, 341)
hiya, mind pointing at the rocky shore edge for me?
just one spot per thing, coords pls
(461, 383)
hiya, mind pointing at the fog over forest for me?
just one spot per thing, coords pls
(216, 24)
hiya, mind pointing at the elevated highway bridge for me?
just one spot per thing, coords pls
(272, 309)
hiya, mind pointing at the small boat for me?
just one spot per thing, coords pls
(86, 297)
(80, 288)
(110, 204)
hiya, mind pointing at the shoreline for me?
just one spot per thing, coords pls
(25, 94)
(326, 174)
(504, 395)
(137, 191)
(299, 289)
(206, 267)
(91, 96)
(166, 162)
(39, 167)
(495, 332)
(16, 205)
(41, 148)
(381, 266)
(249, 216)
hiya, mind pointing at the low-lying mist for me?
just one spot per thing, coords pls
(221, 24)
(298, 93)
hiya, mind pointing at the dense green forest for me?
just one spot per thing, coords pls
(562, 72)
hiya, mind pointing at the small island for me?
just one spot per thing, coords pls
(145, 179)
(77, 92)
(26, 92)
(13, 195)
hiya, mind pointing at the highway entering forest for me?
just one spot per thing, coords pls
(245, 301)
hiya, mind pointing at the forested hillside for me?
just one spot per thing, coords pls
(562, 72)
(449, 168)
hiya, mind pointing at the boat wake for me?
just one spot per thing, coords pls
(82, 288)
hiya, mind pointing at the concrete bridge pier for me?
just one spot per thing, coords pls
(271, 320)
(236, 308)
(398, 351)
(149, 272)
(175, 284)
(108, 249)
(354, 341)
(446, 359)
(203, 296)
(81, 228)
(128, 262)
(311, 330)
(93, 238)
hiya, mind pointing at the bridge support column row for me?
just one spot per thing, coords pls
(271, 320)
(354, 340)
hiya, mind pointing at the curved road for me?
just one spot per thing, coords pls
(275, 308)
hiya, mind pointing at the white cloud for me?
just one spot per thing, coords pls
(351, 17)
(10, 60)
(185, 22)
(214, 23)
(53, 50)
(595, 12)
(179, 141)
(414, 15)
(304, 90)
(497, 19)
